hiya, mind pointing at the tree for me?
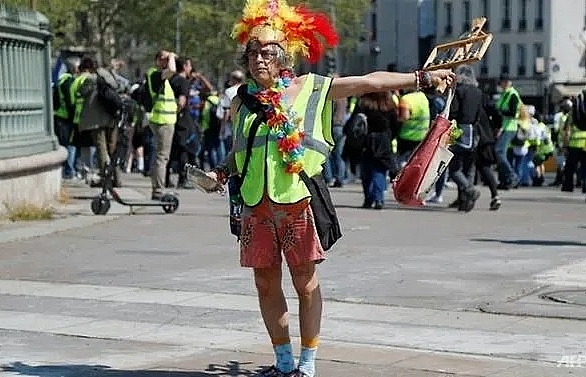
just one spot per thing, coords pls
(134, 29)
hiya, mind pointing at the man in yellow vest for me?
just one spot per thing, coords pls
(508, 106)
(64, 110)
(574, 142)
(163, 117)
(282, 137)
(414, 115)
(559, 121)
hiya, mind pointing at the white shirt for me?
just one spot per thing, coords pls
(226, 100)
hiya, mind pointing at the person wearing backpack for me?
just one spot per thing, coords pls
(99, 115)
(379, 110)
(574, 143)
(163, 117)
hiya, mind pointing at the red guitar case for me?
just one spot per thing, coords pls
(427, 163)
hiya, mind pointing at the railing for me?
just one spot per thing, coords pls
(26, 120)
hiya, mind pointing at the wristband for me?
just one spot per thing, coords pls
(423, 80)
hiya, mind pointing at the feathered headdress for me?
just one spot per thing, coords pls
(296, 29)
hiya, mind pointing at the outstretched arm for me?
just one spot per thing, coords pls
(343, 87)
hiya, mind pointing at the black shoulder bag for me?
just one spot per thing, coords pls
(324, 213)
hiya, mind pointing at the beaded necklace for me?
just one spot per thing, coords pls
(282, 121)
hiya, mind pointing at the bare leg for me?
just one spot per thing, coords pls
(306, 284)
(271, 298)
(273, 307)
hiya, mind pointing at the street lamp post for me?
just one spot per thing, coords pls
(178, 28)
(332, 6)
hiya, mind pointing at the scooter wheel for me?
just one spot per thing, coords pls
(100, 206)
(173, 203)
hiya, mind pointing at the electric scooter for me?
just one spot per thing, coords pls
(100, 205)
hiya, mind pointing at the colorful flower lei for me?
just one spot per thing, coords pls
(282, 121)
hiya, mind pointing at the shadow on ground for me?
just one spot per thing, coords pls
(532, 242)
(230, 369)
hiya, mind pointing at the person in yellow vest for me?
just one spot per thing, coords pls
(414, 115)
(81, 138)
(544, 150)
(64, 111)
(211, 127)
(508, 106)
(288, 121)
(574, 142)
(163, 117)
(559, 121)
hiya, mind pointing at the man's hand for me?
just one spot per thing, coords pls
(442, 77)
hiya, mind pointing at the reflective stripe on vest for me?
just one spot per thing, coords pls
(577, 138)
(62, 112)
(76, 98)
(164, 110)
(509, 123)
(415, 128)
(266, 171)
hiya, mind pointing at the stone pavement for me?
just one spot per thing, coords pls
(408, 292)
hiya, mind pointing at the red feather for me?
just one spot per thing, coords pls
(314, 28)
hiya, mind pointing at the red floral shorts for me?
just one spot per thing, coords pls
(271, 230)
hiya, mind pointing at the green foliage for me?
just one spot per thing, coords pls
(205, 26)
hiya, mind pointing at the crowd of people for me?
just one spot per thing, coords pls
(503, 143)
(192, 124)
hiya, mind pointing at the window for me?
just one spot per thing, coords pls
(506, 25)
(539, 15)
(537, 53)
(448, 28)
(486, 13)
(523, 12)
(505, 58)
(522, 60)
(467, 18)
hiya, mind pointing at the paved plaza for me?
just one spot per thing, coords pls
(424, 292)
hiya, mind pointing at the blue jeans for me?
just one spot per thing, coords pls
(374, 182)
(216, 151)
(506, 173)
(69, 170)
(525, 168)
(336, 161)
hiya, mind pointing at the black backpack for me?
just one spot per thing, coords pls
(356, 130)
(579, 110)
(110, 99)
(142, 95)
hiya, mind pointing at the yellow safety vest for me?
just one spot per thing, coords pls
(577, 138)
(415, 128)
(76, 98)
(206, 113)
(266, 170)
(62, 112)
(164, 110)
(509, 123)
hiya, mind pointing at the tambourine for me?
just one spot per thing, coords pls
(202, 181)
(469, 48)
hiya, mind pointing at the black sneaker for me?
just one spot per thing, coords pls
(495, 204)
(156, 196)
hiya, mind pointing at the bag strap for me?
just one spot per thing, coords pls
(254, 106)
